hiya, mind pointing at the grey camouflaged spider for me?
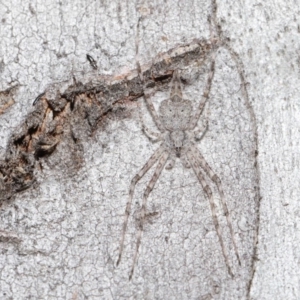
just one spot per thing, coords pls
(177, 124)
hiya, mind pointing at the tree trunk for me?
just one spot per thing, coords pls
(78, 81)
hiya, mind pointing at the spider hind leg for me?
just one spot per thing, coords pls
(152, 160)
(214, 177)
(148, 190)
(207, 190)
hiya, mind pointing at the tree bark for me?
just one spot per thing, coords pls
(75, 79)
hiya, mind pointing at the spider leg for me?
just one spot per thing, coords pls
(149, 104)
(152, 160)
(205, 166)
(140, 73)
(148, 190)
(152, 136)
(205, 95)
(196, 167)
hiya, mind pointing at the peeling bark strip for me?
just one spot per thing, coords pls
(6, 98)
(59, 109)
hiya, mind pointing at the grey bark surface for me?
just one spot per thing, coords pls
(67, 161)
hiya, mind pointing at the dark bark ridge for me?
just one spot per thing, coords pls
(61, 111)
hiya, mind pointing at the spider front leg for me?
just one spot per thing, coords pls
(205, 95)
(207, 190)
(148, 100)
(152, 160)
(153, 113)
(148, 190)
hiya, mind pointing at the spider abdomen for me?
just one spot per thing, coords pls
(176, 140)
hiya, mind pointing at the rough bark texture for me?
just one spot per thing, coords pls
(71, 141)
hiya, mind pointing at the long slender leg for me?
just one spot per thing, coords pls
(217, 181)
(208, 192)
(145, 96)
(151, 108)
(152, 160)
(205, 95)
(148, 190)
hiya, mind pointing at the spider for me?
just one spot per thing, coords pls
(176, 123)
